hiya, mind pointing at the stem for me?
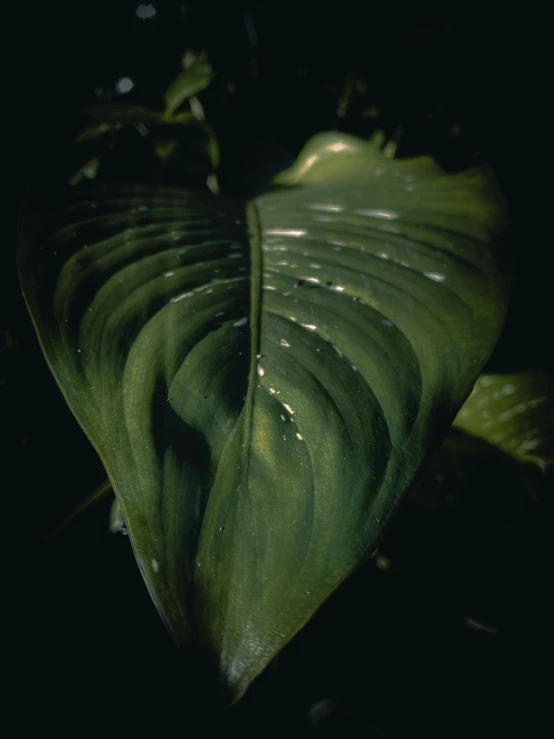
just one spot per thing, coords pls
(345, 98)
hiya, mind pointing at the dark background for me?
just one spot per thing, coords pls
(390, 652)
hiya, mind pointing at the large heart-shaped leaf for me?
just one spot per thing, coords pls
(262, 382)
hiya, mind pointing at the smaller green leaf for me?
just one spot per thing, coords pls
(103, 119)
(195, 77)
(163, 148)
(89, 170)
(212, 148)
(515, 413)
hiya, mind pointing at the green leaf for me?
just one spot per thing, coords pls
(514, 412)
(179, 136)
(195, 77)
(263, 381)
(89, 170)
(103, 119)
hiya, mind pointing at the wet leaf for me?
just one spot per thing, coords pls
(262, 381)
(514, 412)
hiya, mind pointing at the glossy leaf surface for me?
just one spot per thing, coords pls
(263, 382)
(514, 412)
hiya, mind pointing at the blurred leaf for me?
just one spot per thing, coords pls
(263, 381)
(195, 77)
(191, 144)
(197, 109)
(88, 170)
(514, 412)
(106, 118)
(163, 148)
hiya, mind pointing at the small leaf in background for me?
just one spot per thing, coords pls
(105, 118)
(88, 171)
(195, 77)
(163, 148)
(514, 412)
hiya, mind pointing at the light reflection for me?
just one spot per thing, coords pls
(327, 208)
(180, 297)
(289, 409)
(338, 147)
(299, 436)
(261, 371)
(241, 321)
(269, 287)
(376, 213)
(309, 326)
(312, 279)
(284, 343)
(436, 276)
(286, 232)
